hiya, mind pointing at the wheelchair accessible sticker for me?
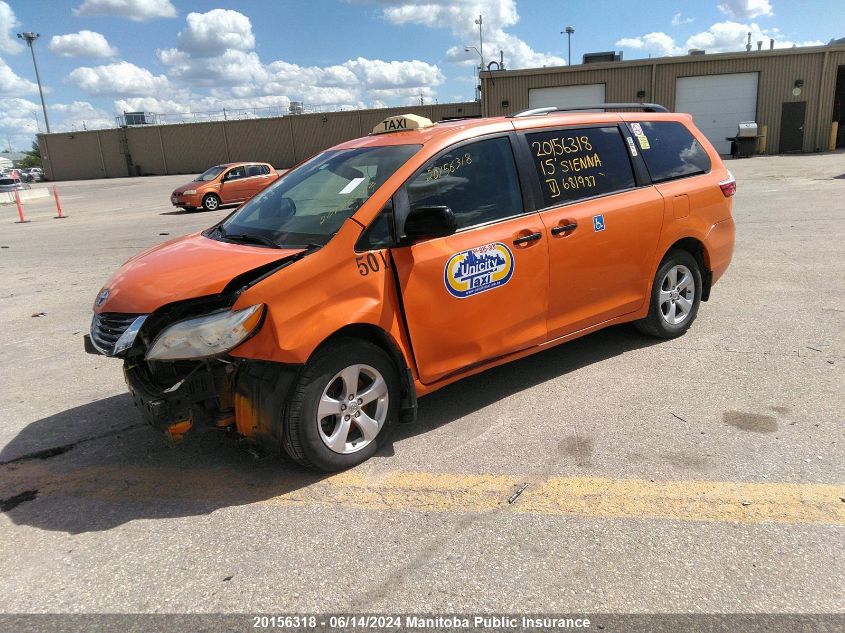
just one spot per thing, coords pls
(598, 223)
(477, 270)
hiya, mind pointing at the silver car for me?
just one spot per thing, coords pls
(12, 184)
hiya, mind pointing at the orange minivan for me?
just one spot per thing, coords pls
(231, 183)
(314, 316)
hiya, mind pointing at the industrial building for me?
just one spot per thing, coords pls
(796, 96)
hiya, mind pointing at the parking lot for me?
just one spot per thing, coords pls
(704, 474)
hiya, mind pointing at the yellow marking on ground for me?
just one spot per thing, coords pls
(601, 497)
(581, 496)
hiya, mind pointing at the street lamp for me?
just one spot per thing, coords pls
(569, 31)
(467, 49)
(30, 37)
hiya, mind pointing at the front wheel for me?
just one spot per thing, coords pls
(344, 402)
(211, 202)
(675, 296)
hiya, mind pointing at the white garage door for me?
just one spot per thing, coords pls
(718, 103)
(588, 94)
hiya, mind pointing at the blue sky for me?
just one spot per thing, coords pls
(99, 57)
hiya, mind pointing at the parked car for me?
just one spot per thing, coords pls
(32, 174)
(389, 266)
(232, 183)
(12, 184)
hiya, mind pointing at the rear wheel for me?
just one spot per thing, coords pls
(211, 202)
(675, 296)
(344, 402)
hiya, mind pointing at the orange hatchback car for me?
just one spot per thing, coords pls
(232, 183)
(313, 317)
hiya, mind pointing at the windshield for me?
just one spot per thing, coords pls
(209, 174)
(308, 204)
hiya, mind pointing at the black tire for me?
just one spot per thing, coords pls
(210, 202)
(302, 438)
(656, 323)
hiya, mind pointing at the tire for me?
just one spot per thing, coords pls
(675, 298)
(323, 428)
(210, 202)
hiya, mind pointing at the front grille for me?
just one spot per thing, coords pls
(107, 327)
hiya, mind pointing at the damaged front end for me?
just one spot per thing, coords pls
(179, 372)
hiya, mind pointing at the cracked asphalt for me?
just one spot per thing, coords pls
(700, 475)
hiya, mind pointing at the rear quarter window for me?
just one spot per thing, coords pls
(669, 150)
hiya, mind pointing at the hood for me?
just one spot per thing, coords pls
(184, 268)
(194, 184)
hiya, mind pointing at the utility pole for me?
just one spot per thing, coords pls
(569, 31)
(30, 37)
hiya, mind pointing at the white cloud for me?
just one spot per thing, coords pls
(657, 42)
(215, 32)
(721, 37)
(136, 10)
(459, 17)
(733, 36)
(18, 119)
(118, 79)
(215, 51)
(742, 9)
(8, 40)
(12, 85)
(679, 20)
(82, 44)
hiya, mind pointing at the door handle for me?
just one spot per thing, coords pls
(533, 237)
(564, 228)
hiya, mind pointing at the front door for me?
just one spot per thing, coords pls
(234, 185)
(792, 126)
(481, 293)
(602, 231)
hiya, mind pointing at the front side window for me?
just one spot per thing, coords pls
(477, 181)
(236, 173)
(577, 163)
(308, 204)
(669, 150)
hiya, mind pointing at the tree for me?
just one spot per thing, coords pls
(32, 158)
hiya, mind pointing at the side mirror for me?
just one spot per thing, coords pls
(428, 222)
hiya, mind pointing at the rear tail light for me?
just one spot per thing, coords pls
(728, 186)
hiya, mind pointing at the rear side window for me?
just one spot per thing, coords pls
(254, 170)
(477, 181)
(577, 163)
(670, 151)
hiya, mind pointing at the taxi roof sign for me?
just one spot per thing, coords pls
(402, 122)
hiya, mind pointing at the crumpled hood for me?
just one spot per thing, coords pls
(184, 268)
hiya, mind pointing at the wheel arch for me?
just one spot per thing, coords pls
(698, 250)
(381, 339)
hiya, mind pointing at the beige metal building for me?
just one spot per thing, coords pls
(190, 148)
(795, 93)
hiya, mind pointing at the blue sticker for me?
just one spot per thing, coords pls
(598, 222)
(478, 269)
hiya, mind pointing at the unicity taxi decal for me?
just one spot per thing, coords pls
(483, 268)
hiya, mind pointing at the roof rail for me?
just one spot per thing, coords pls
(645, 107)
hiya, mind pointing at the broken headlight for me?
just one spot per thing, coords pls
(207, 335)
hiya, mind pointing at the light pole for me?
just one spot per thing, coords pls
(478, 83)
(569, 31)
(30, 37)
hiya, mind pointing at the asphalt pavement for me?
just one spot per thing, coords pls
(700, 475)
